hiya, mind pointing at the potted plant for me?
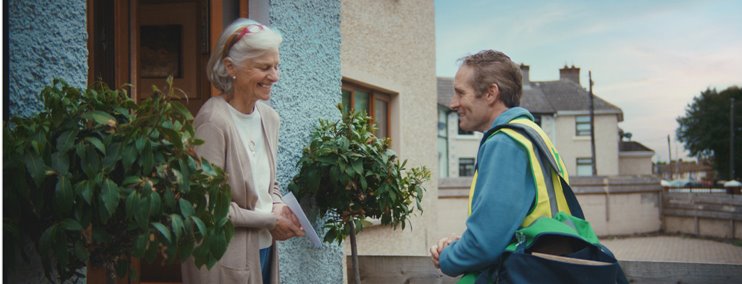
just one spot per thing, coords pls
(95, 179)
(352, 175)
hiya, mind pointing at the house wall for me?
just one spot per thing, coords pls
(548, 124)
(572, 147)
(391, 45)
(460, 146)
(635, 164)
(309, 89)
(46, 40)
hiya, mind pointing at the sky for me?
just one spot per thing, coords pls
(649, 58)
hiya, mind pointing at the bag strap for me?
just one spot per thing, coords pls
(545, 157)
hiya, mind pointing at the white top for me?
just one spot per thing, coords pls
(250, 128)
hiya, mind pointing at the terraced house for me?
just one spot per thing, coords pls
(562, 109)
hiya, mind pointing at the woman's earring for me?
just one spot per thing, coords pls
(234, 77)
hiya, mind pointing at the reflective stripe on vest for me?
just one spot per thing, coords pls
(544, 204)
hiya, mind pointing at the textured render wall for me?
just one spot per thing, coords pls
(571, 146)
(47, 39)
(308, 90)
(452, 213)
(391, 44)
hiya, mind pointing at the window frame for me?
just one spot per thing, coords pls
(472, 164)
(578, 164)
(579, 132)
(373, 95)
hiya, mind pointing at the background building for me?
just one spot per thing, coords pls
(562, 109)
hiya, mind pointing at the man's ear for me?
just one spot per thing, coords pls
(493, 94)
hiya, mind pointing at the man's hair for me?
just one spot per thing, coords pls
(494, 67)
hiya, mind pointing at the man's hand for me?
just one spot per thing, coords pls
(435, 250)
(287, 225)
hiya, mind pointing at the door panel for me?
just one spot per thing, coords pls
(169, 44)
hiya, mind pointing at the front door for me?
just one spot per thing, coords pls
(173, 41)
(142, 43)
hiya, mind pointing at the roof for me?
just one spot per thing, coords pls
(633, 146)
(535, 101)
(565, 95)
(544, 97)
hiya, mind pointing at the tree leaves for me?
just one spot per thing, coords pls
(705, 128)
(351, 175)
(94, 175)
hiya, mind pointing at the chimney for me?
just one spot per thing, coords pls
(570, 73)
(524, 70)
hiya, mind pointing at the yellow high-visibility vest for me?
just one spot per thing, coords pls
(543, 204)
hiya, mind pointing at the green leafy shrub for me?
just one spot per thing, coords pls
(350, 175)
(95, 178)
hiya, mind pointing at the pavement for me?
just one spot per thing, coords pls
(674, 249)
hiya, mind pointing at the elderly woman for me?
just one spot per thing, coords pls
(241, 135)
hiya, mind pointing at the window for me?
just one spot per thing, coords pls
(537, 119)
(442, 142)
(584, 166)
(466, 167)
(373, 102)
(461, 131)
(582, 125)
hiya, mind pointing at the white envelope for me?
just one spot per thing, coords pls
(309, 231)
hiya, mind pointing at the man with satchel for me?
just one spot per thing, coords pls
(524, 224)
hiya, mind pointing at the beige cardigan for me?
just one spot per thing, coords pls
(223, 147)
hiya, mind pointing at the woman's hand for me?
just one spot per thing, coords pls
(287, 225)
(435, 250)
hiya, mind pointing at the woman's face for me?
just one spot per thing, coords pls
(256, 76)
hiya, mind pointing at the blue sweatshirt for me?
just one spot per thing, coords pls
(503, 194)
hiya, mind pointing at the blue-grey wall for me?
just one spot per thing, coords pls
(309, 89)
(47, 39)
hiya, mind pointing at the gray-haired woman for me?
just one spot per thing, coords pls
(241, 136)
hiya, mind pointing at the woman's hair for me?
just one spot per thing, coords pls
(494, 67)
(242, 40)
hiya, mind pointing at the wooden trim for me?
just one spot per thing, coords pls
(133, 50)
(244, 9)
(374, 93)
(388, 100)
(121, 40)
(216, 27)
(90, 17)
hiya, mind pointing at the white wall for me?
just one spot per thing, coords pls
(635, 164)
(571, 147)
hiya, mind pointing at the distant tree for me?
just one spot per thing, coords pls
(704, 130)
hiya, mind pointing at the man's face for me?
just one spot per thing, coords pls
(474, 111)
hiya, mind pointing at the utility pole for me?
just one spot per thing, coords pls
(731, 140)
(669, 154)
(592, 123)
